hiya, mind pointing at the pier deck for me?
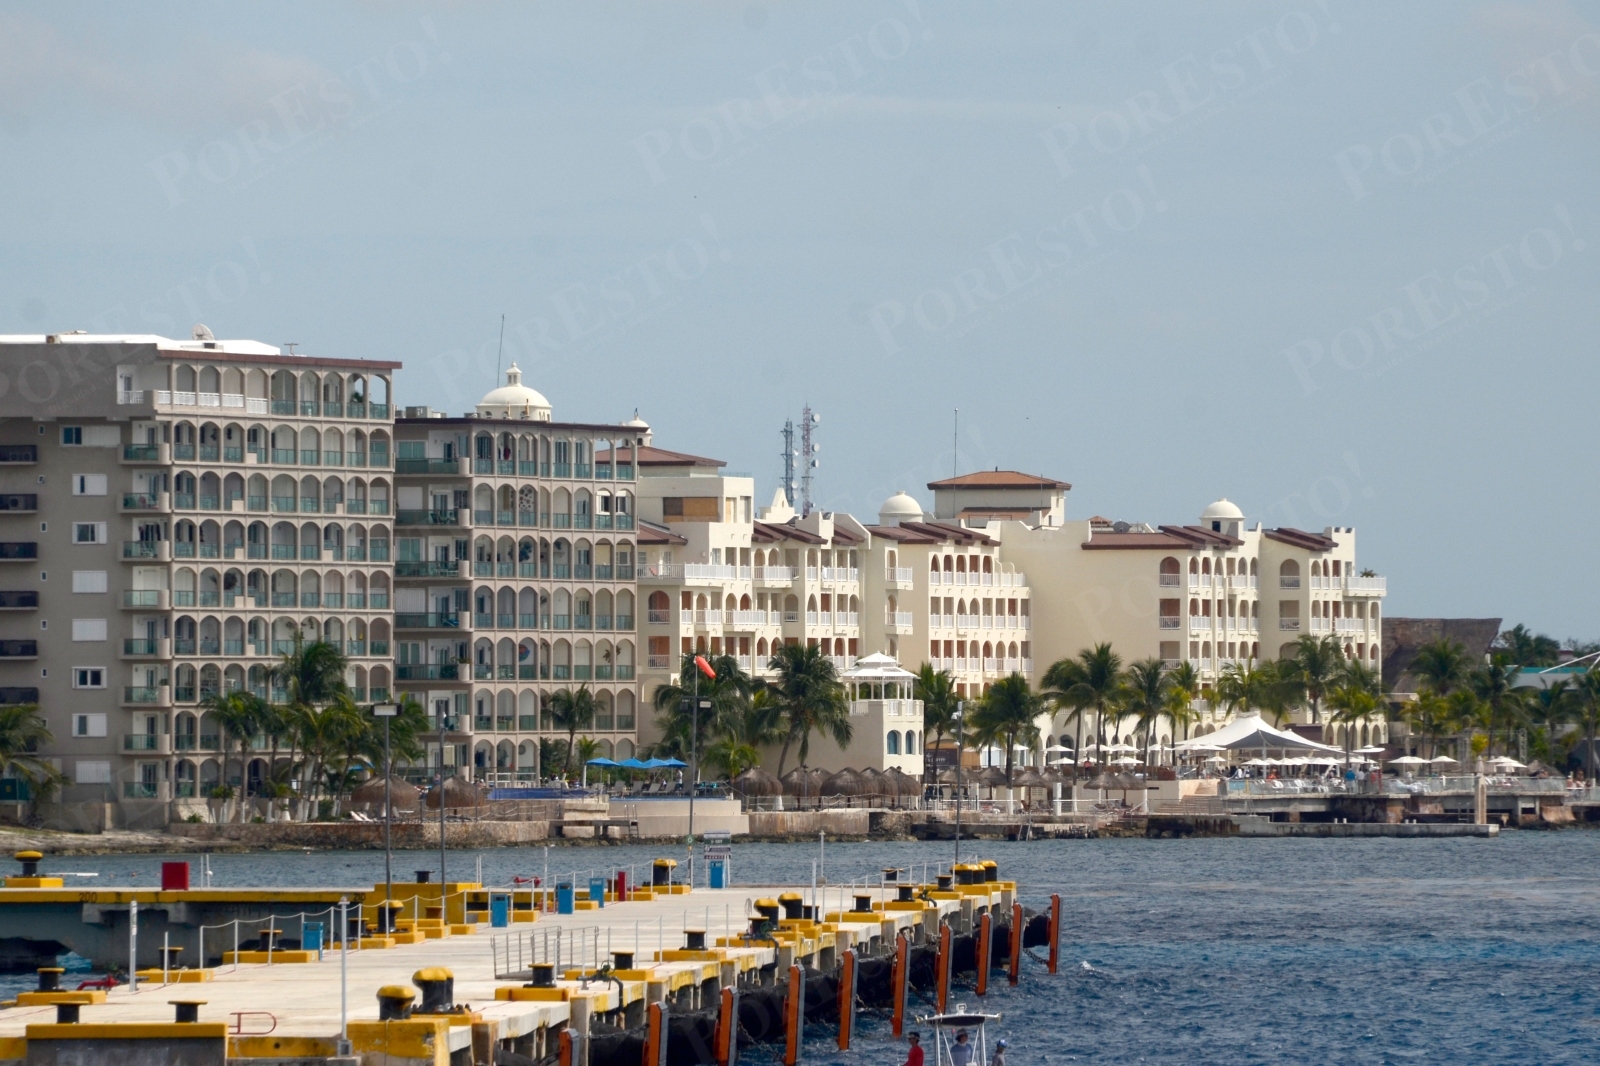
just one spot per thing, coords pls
(300, 1002)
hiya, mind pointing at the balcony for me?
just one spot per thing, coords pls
(146, 648)
(1241, 581)
(427, 518)
(19, 503)
(1366, 586)
(427, 672)
(1289, 625)
(426, 569)
(1170, 580)
(144, 501)
(745, 618)
(1288, 581)
(19, 649)
(18, 454)
(12, 696)
(134, 454)
(427, 466)
(144, 790)
(1171, 622)
(1200, 622)
(838, 574)
(897, 621)
(147, 743)
(430, 620)
(897, 577)
(1350, 625)
(146, 549)
(707, 618)
(775, 575)
(659, 618)
(19, 551)
(19, 600)
(147, 696)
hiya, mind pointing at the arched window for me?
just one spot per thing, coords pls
(1170, 571)
(892, 743)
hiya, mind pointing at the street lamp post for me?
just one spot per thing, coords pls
(444, 725)
(387, 711)
(960, 707)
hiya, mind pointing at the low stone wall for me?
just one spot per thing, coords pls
(838, 823)
(363, 835)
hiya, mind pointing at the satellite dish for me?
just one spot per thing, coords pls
(1120, 527)
(202, 332)
(815, 418)
(816, 448)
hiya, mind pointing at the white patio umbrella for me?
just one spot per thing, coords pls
(1125, 760)
(1507, 762)
(1216, 759)
(1442, 760)
(1259, 762)
(1408, 760)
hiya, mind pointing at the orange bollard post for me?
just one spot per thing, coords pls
(985, 932)
(941, 990)
(726, 1044)
(794, 1016)
(1055, 931)
(564, 1049)
(655, 1036)
(847, 1000)
(1014, 971)
(900, 980)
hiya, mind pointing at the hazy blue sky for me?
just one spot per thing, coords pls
(1335, 262)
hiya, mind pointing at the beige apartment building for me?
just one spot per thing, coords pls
(174, 514)
(515, 574)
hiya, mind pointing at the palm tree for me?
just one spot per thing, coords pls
(1352, 705)
(1089, 682)
(1316, 666)
(810, 698)
(1586, 708)
(1494, 685)
(1431, 715)
(729, 694)
(1145, 697)
(238, 714)
(1183, 689)
(1522, 647)
(311, 674)
(572, 711)
(1549, 711)
(937, 691)
(739, 747)
(1005, 715)
(329, 735)
(1263, 688)
(22, 730)
(588, 748)
(1441, 666)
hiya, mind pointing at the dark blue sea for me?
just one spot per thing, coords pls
(1233, 951)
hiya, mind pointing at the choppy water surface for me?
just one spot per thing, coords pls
(1223, 950)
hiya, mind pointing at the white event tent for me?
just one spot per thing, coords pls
(1251, 733)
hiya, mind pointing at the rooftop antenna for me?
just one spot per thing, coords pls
(955, 445)
(808, 456)
(789, 456)
(291, 345)
(499, 351)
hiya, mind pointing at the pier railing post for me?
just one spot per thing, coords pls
(133, 945)
(344, 974)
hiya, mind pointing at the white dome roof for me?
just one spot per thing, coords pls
(1221, 509)
(514, 400)
(899, 508)
(636, 422)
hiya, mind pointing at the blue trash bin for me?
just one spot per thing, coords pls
(311, 938)
(499, 910)
(717, 871)
(564, 897)
(597, 891)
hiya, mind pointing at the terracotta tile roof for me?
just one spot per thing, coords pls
(1201, 537)
(771, 531)
(959, 534)
(1138, 541)
(902, 535)
(650, 533)
(998, 479)
(1301, 539)
(650, 456)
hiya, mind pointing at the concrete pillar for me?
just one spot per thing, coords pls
(655, 992)
(968, 911)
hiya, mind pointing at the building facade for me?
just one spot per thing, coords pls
(176, 514)
(515, 575)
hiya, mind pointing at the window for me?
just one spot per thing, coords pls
(88, 532)
(88, 581)
(89, 677)
(412, 449)
(72, 435)
(88, 484)
(92, 773)
(689, 508)
(88, 725)
(88, 629)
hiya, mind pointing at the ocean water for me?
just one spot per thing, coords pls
(1235, 951)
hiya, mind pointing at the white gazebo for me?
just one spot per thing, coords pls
(886, 720)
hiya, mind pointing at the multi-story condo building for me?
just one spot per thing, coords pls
(175, 514)
(939, 592)
(515, 569)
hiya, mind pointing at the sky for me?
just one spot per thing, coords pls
(1336, 262)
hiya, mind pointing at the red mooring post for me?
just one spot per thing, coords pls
(564, 1055)
(1055, 931)
(942, 969)
(1014, 969)
(899, 978)
(726, 1044)
(985, 932)
(794, 1016)
(847, 1000)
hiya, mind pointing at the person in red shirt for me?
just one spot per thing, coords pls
(914, 1055)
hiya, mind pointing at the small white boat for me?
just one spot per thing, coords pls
(947, 1025)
